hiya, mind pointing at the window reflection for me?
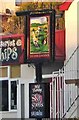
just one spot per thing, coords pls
(13, 95)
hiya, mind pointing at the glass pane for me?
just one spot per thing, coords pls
(15, 71)
(0, 95)
(13, 95)
(3, 72)
(4, 95)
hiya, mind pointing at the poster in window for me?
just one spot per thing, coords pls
(39, 38)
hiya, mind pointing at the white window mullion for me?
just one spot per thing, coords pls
(51, 94)
(9, 88)
(55, 98)
(9, 91)
(8, 72)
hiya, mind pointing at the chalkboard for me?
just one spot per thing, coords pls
(39, 100)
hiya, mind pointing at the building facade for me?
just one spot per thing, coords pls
(70, 70)
(64, 86)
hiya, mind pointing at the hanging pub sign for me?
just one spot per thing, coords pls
(39, 37)
(39, 100)
(12, 49)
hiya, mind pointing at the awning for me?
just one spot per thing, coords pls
(65, 5)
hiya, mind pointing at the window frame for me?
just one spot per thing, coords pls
(9, 88)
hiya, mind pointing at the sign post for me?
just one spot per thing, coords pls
(39, 46)
(38, 68)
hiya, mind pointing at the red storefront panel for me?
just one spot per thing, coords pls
(60, 45)
(9, 42)
(12, 49)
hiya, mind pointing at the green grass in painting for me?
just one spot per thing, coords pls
(40, 36)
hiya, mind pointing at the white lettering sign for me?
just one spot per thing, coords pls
(9, 49)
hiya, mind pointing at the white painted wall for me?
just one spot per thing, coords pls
(9, 115)
(71, 68)
(71, 28)
(7, 4)
(78, 37)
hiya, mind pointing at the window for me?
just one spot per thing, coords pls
(13, 95)
(4, 95)
(5, 92)
(3, 71)
(15, 71)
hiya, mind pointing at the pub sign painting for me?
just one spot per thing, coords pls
(38, 92)
(12, 49)
(39, 36)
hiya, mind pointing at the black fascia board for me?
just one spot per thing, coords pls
(25, 12)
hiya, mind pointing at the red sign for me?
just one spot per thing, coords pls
(12, 49)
